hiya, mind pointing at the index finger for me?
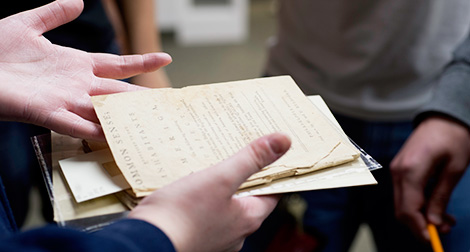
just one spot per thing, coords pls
(441, 194)
(409, 202)
(120, 67)
(410, 176)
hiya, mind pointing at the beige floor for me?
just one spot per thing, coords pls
(209, 64)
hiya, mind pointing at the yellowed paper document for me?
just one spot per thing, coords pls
(65, 207)
(88, 177)
(349, 174)
(353, 173)
(157, 136)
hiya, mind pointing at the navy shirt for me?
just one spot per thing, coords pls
(91, 31)
(124, 235)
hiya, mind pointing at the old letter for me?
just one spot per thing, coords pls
(157, 136)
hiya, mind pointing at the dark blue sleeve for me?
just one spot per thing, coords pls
(125, 235)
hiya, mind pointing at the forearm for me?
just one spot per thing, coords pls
(142, 35)
(453, 89)
(139, 22)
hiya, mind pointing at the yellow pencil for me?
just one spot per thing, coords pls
(435, 241)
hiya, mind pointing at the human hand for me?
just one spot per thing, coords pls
(50, 85)
(439, 148)
(199, 212)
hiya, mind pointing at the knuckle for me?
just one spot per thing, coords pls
(75, 127)
(259, 154)
(224, 181)
(400, 170)
(403, 167)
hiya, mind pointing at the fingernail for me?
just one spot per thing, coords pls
(165, 56)
(425, 234)
(435, 219)
(168, 56)
(278, 144)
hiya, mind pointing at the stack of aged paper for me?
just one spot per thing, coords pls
(160, 135)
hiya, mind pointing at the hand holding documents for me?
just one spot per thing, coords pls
(160, 135)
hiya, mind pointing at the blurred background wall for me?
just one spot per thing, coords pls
(215, 40)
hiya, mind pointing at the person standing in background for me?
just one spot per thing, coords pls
(434, 158)
(375, 64)
(92, 31)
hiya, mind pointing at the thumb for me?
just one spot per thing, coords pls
(50, 16)
(251, 159)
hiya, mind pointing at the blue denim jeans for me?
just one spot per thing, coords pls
(336, 214)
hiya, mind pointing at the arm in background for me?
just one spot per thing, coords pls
(135, 26)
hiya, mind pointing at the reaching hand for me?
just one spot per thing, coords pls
(438, 148)
(50, 85)
(199, 212)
